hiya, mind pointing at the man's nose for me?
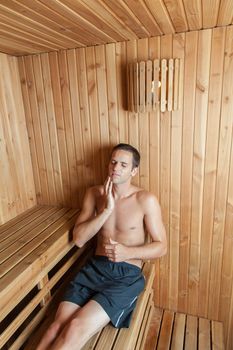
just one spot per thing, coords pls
(116, 166)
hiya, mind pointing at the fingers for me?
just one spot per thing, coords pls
(108, 185)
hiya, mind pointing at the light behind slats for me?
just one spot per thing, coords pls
(186, 153)
(16, 178)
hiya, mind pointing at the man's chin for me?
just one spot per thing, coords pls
(115, 180)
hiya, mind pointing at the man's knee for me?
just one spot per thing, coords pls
(76, 330)
(54, 329)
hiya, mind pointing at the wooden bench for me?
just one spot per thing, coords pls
(36, 250)
(36, 254)
(177, 331)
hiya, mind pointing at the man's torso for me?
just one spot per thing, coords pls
(125, 224)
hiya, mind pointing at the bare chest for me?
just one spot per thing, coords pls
(127, 216)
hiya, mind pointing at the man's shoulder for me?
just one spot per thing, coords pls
(145, 195)
(96, 190)
(146, 198)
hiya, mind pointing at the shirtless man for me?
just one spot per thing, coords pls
(107, 288)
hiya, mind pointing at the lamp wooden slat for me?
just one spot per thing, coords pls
(170, 84)
(156, 83)
(176, 84)
(149, 71)
(142, 86)
(136, 86)
(163, 101)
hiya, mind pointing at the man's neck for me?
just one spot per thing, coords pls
(122, 190)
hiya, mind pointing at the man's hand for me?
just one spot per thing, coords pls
(116, 252)
(109, 200)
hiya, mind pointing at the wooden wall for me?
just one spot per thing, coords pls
(16, 178)
(75, 104)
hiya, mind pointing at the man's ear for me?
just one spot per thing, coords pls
(134, 171)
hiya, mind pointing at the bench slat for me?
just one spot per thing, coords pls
(155, 325)
(204, 334)
(166, 330)
(145, 324)
(191, 332)
(19, 236)
(39, 234)
(178, 332)
(217, 335)
(13, 223)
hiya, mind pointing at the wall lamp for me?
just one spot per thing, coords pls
(154, 84)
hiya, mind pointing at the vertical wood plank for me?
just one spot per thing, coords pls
(52, 128)
(210, 171)
(94, 113)
(77, 125)
(165, 166)
(154, 161)
(37, 129)
(56, 89)
(225, 142)
(191, 48)
(103, 106)
(85, 116)
(112, 93)
(226, 296)
(121, 78)
(201, 105)
(43, 124)
(175, 189)
(131, 49)
(143, 121)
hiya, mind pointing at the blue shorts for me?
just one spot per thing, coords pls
(114, 285)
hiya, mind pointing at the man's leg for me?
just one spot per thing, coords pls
(86, 322)
(64, 314)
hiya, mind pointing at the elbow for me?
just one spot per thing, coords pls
(78, 241)
(163, 250)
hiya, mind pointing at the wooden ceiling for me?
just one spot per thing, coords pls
(34, 26)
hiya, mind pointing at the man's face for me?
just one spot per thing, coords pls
(120, 167)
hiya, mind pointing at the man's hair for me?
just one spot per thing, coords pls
(131, 149)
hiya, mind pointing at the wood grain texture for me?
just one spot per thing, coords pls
(16, 175)
(28, 27)
(74, 103)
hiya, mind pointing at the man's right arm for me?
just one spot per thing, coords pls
(88, 224)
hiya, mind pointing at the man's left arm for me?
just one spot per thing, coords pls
(154, 227)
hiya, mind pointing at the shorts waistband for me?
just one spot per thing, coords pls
(122, 263)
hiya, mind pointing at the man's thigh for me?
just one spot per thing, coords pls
(66, 311)
(93, 315)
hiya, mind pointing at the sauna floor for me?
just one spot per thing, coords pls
(177, 331)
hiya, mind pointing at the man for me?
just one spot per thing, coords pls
(106, 289)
